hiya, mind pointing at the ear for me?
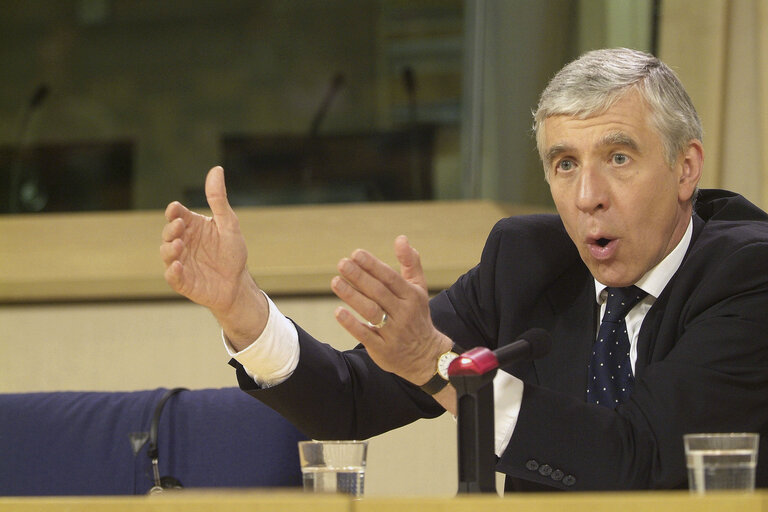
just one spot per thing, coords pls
(691, 164)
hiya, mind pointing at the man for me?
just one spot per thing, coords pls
(621, 146)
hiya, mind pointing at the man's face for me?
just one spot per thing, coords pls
(621, 203)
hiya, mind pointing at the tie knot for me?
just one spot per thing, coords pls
(620, 301)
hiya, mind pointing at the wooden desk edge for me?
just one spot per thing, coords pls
(267, 500)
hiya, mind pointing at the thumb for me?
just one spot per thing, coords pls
(410, 262)
(216, 195)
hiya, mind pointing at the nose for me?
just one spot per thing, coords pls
(592, 192)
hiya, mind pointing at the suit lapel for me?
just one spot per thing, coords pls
(569, 313)
(651, 326)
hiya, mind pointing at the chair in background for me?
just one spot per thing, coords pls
(79, 443)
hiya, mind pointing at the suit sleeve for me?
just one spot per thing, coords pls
(345, 395)
(341, 394)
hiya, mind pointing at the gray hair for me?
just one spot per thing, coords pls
(591, 84)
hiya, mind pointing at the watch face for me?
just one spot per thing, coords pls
(443, 362)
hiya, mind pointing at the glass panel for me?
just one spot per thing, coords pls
(117, 104)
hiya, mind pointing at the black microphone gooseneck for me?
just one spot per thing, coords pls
(312, 146)
(337, 82)
(166, 482)
(471, 374)
(414, 136)
(14, 168)
(409, 82)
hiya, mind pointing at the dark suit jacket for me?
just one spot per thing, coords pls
(702, 361)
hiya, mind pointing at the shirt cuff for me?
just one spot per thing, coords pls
(274, 355)
(508, 397)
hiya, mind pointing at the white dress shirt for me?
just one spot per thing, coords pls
(273, 357)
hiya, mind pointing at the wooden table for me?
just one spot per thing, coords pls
(280, 501)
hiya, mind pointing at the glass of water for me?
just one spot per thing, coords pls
(721, 461)
(333, 466)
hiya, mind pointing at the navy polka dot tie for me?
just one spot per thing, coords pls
(610, 372)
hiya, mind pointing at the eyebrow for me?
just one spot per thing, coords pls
(554, 151)
(617, 138)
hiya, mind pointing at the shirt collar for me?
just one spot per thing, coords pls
(654, 281)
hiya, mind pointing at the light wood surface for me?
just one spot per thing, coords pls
(185, 501)
(663, 501)
(292, 250)
(264, 501)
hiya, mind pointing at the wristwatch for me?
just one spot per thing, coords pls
(440, 379)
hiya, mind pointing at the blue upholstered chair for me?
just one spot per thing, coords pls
(78, 443)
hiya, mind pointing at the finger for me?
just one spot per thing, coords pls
(370, 338)
(171, 251)
(216, 195)
(361, 304)
(369, 286)
(381, 273)
(174, 274)
(173, 230)
(176, 210)
(410, 262)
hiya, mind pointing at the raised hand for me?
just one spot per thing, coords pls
(205, 259)
(407, 344)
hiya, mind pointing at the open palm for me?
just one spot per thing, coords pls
(205, 257)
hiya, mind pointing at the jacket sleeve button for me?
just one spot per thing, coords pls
(531, 465)
(557, 475)
(569, 480)
(545, 470)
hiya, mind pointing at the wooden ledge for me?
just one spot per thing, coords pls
(292, 250)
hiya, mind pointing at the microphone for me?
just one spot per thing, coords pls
(414, 139)
(409, 82)
(337, 82)
(310, 151)
(471, 374)
(166, 482)
(39, 95)
(14, 168)
(532, 344)
(409, 79)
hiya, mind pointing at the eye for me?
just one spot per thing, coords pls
(620, 159)
(565, 165)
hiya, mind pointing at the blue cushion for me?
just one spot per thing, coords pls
(77, 443)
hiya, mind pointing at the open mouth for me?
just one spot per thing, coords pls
(602, 248)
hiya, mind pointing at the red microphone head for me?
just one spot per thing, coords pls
(477, 361)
